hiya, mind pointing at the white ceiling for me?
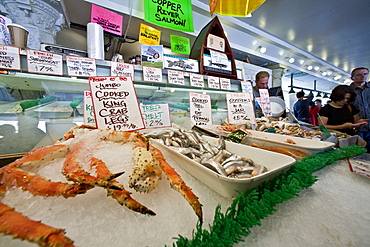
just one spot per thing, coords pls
(330, 33)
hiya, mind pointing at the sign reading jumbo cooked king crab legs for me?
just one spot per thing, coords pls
(115, 103)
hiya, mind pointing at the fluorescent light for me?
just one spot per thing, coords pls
(291, 59)
(262, 49)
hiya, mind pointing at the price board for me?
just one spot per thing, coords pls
(9, 57)
(200, 109)
(122, 69)
(156, 115)
(44, 63)
(115, 103)
(240, 108)
(81, 66)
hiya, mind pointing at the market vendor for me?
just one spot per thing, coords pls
(262, 80)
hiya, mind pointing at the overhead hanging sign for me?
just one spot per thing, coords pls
(149, 35)
(237, 8)
(180, 44)
(115, 103)
(110, 21)
(173, 14)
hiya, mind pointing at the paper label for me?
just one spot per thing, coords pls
(213, 82)
(115, 103)
(9, 57)
(81, 66)
(225, 83)
(240, 108)
(196, 80)
(89, 116)
(122, 69)
(44, 63)
(176, 77)
(200, 109)
(152, 74)
(156, 115)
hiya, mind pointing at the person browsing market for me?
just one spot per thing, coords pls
(340, 114)
(361, 87)
(300, 107)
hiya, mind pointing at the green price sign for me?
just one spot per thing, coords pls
(173, 14)
(180, 44)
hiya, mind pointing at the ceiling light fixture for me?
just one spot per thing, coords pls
(318, 95)
(316, 68)
(291, 91)
(324, 73)
(291, 60)
(262, 49)
(337, 77)
(309, 67)
(301, 61)
(325, 96)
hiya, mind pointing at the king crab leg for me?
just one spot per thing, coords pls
(122, 196)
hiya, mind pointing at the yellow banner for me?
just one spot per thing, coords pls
(149, 35)
(237, 8)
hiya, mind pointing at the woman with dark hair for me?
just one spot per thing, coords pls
(340, 114)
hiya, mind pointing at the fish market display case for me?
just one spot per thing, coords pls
(46, 122)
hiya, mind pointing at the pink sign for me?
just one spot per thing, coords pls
(110, 21)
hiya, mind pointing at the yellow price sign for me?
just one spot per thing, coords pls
(149, 35)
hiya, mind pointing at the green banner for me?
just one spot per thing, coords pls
(180, 44)
(173, 14)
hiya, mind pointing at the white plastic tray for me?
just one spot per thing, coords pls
(225, 186)
(308, 146)
(49, 112)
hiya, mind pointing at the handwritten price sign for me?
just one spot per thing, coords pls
(152, 74)
(213, 82)
(240, 108)
(81, 66)
(156, 115)
(176, 77)
(196, 80)
(44, 63)
(89, 116)
(115, 103)
(9, 57)
(200, 109)
(122, 69)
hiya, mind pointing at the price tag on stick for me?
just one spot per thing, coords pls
(156, 115)
(240, 108)
(115, 103)
(200, 109)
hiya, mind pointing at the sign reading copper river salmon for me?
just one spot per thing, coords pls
(200, 109)
(115, 103)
